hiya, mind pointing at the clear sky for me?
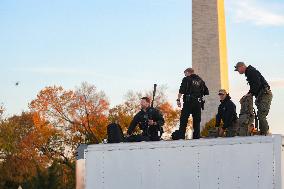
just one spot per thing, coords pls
(129, 45)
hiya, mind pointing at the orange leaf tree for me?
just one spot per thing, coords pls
(28, 146)
(21, 155)
(171, 116)
(81, 114)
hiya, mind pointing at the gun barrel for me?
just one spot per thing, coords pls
(154, 94)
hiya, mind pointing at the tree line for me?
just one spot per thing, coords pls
(37, 147)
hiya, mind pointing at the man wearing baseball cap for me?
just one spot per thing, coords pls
(191, 90)
(227, 113)
(261, 90)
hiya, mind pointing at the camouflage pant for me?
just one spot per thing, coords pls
(245, 121)
(263, 102)
(233, 129)
(213, 132)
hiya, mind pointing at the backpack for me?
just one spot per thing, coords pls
(246, 105)
(246, 115)
(176, 135)
(114, 133)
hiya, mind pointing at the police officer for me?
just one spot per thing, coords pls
(261, 90)
(192, 89)
(149, 120)
(227, 113)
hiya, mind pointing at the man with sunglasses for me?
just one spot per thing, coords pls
(261, 90)
(227, 113)
(192, 89)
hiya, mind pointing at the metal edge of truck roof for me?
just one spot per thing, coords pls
(183, 143)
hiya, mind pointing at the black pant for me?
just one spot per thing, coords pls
(191, 106)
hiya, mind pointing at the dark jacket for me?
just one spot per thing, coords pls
(141, 119)
(226, 113)
(255, 80)
(193, 85)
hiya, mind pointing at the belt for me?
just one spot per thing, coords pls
(193, 97)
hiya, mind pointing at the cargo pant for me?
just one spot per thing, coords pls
(263, 102)
(213, 132)
(232, 131)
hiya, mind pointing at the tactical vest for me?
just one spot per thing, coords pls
(196, 87)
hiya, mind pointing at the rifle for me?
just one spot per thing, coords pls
(152, 105)
(154, 94)
(255, 120)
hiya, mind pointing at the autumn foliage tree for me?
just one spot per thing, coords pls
(80, 114)
(28, 147)
(47, 135)
(21, 143)
(171, 116)
(91, 112)
(65, 118)
(39, 145)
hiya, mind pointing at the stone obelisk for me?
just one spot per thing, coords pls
(209, 50)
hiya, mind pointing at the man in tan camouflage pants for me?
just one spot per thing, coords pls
(263, 102)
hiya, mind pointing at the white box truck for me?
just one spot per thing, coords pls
(223, 163)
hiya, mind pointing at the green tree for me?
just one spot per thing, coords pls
(60, 176)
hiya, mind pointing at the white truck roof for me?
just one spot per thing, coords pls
(223, 163)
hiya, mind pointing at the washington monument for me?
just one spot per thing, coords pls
(209, 50)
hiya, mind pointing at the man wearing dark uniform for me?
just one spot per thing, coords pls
(149, 120)
(226, 113)
(261, 90)
(192, 89)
